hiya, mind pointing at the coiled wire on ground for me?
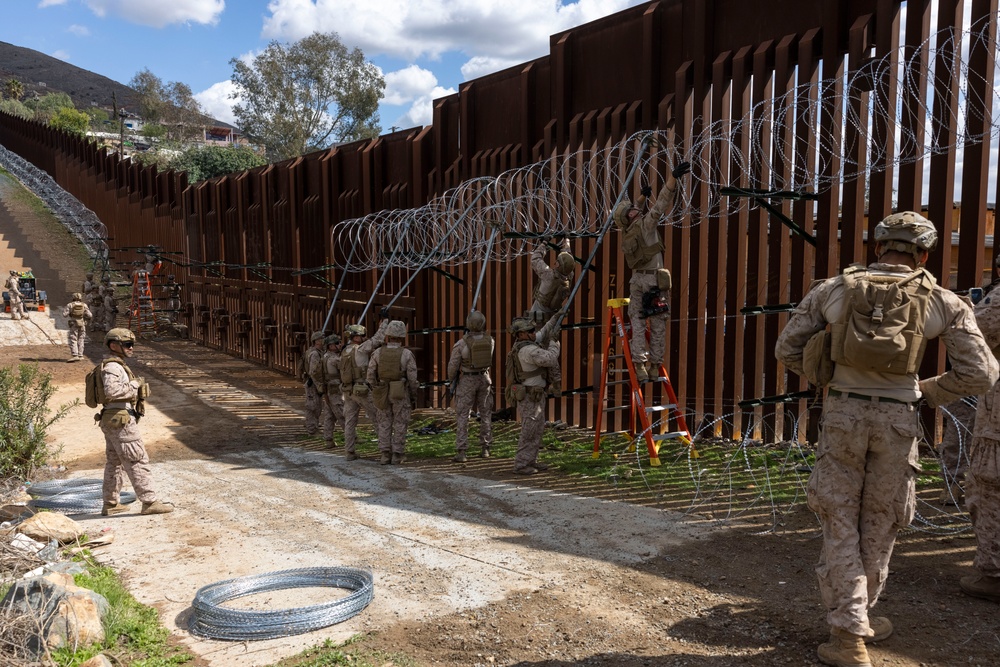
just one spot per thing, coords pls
(211, 619)
(72, 496)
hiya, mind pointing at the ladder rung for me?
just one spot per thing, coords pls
(617, 407)
(660, 408)
(617, 382)
(616, 356)
(670, 436)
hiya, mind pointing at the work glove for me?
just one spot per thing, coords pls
(646, 191)
(681, 169)
(383, 313)
(554, 389)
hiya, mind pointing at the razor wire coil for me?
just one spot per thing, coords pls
(73, 496)
(213, 620)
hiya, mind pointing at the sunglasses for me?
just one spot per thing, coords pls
(129, 344)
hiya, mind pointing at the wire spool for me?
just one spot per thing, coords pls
(212, 619)
(73, 496)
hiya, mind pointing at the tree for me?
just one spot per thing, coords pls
(71, 120)
(46, 106)
(16, 108)
(171, 105)
(14, 89)
(154, 131)
(306, 95)
(206, 162)
(98, 119)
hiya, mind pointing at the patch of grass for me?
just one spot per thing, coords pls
(133, 632)
(331, 654)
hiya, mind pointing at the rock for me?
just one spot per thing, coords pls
(99, 660)
(8, 512)
(46, 526)
(68, 615)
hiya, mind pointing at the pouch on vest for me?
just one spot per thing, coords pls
(76, 310)
(397, 390)
(480, 353)
(817, 364)
(115, 418)
(360, 389)
(882, 329)
(663, 280)
(380, 396)
(92, 394)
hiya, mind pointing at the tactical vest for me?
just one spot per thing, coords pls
(480, 354)
(76, 309)
(331, 360)
(390, 367)
(101, 394)
(554, 297)
(515, 371)
(315, 358)
(882, 328)
(637, 252)
(350, 372)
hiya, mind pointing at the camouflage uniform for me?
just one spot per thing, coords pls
(78, 315)
(391, 424)
(110, 308)
(315, 385)
(173, 306)
(354, 402)
(533, 357)
(333, 411)
(551, 287)
(982, 490)
(15, 296)
(645, 278)
(123, 443)
(863, 482)
(473, 391)
(97, 308)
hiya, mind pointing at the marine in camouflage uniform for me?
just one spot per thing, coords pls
(97, 307)
(469, 372)
(314, 381)
(552, 283)
(16, 298)
(982, 487)
(333, 409)
(863, 482)
(110, 306)
(122, 400)
(642, 245)
(173, 291)
(532, 367)
(88, 286)
(354, 380)
(78, 316)
(390, 364)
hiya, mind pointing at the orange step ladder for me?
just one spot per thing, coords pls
(141, 307)
(615, 329)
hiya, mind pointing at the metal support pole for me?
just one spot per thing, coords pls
(381, 278)
(340, 283)
(482, 271)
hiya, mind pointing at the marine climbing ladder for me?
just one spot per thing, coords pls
(141, 309)
(652, 420)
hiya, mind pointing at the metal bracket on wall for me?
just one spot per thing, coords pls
(761, 197)
(781, 398)
(768, 310)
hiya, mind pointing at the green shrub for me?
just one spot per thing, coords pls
(24, 418)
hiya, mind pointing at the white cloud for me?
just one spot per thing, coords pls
(509, 32)
(481, 65)
(79, 30)
(216, 101)
(61, 55)
(157, 13)
(422, 110)
(51, 3)
(407, 84)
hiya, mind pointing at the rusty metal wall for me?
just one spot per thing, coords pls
(682, 62)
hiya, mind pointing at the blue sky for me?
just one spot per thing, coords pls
(425, 48)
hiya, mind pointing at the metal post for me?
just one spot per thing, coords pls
(482, 271)
(381, 278)
(340, 283)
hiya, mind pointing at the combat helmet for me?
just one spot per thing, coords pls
(396, 329)
(317, 335)
(77, 296)
(908, 232)
(475, 322)
(119, 335)
(353, 330)
(565, 263)
(90, 274)
(522, 325)
(332, 339)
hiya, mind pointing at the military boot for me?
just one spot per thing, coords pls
(398, 459)
(352, 456)
(881, 626)
(844, 650)
(156, 507)
(981, 586)
(110, 509)
(459, 458)
(485, 453)
(386, 459)
(640, 373)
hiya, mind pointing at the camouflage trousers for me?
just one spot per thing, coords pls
(352, 406)
(126, 455)
(637, 286)
(532, 426)
(333, 411)
(110, 316)
(97, 322)
(982, 498)
(474, 392)
(314, 408)
(16, 307)
(173, 307)
(959, 418)
(863, 487)
(77, 339)
(391, 426)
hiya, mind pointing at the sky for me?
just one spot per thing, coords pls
(425, 48)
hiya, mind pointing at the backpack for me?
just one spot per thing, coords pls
(882, 328)
(93, 393)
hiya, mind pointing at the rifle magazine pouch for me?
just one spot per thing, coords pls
(817, 363)
(360, 389)
(397, 390)
(115, 418)
(663, 280)
(520, 392)
(380, 396)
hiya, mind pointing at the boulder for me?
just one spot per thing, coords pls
(46, 526)
(99, 660)
(67, 615)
